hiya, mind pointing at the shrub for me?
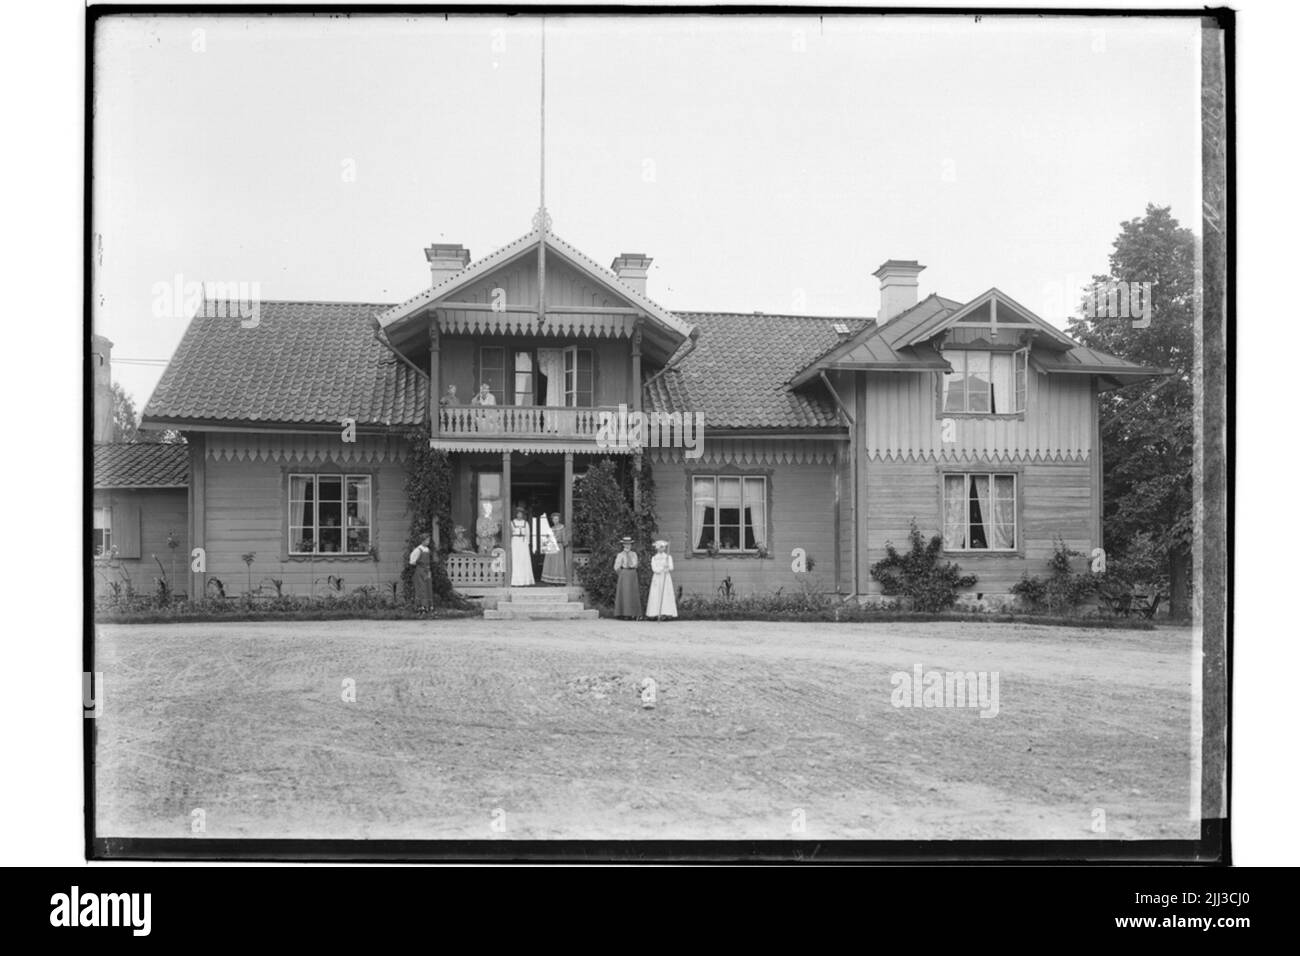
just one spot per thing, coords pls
(428, 493)
(920, 574)
(602, 515)
(1063, 590)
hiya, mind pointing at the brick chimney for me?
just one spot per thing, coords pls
(101, 358)
(446, 259)
(632, 269)
(897, 287)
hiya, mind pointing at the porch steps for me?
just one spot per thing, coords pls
(539, 604)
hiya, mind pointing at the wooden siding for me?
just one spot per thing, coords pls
(902, 420)
(801, 498)
(246, 509)
(160, 512)
(1055, 498)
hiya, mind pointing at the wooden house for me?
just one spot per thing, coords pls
(822, 437)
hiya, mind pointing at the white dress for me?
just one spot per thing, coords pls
(662, 601)
(521, 560)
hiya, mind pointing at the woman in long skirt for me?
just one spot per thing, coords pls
(662, 601)
(627, 593)
(422, 558)
(521, 559)
(555, 566)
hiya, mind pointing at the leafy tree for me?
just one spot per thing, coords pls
(602, 515)
(126, 422)
(1147, 432)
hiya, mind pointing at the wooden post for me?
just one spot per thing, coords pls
(568, 513)
(507, 513)
(197, 502)
(435, 377)
(636, 365)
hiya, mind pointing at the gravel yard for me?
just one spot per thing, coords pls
(537, 730)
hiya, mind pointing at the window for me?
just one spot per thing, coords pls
(577, 377)
(988, 383)
(492, 370)
(729, 512)
(524, 378)
(329, 514)
(101, 537)
(979, 512)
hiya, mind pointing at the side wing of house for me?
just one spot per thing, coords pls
(140, 516)
(978, 422)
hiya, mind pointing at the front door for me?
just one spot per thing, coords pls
(539, 499)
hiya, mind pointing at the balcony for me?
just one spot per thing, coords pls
(544, 422)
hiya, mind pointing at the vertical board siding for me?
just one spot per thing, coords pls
(902, 420)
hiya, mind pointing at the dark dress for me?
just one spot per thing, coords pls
(423, 579)
(627, 595)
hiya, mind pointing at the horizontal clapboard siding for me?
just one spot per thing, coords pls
(246, 510)
(802, 501)
(1055, 499)
(160, 512)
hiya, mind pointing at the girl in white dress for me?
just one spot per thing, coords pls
(521, 559)
(662, 601)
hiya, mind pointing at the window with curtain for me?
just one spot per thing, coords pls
(329, 514)
(979, 512)
(984, 382)
(524, 378)
(101, 538)
(729, 511)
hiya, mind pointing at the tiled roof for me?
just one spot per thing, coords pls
(303, 363)
(739, 370)
(142, 465)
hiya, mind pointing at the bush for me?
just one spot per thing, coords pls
(603, 514)
(428, 493)
(1063, 590)
(931, 583)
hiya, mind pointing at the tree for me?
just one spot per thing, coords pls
(1147, 433)
(126, 421)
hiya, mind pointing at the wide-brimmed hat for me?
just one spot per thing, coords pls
(626, 539)
(661, 544)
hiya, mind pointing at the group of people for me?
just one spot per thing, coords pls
(662, 601)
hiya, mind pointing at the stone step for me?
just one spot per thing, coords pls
(513, 612)
(543, 605)
(539, 594)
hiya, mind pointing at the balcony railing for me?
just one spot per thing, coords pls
(520, 421)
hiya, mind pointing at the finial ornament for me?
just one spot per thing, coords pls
(542, 220)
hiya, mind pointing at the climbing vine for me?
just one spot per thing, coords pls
(605, 512)
(428, 494)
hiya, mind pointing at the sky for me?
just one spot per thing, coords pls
(766, 163)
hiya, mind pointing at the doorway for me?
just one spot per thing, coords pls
(539, 499)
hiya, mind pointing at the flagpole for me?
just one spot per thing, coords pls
(541, 211)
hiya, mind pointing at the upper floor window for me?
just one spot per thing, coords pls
(553, 377)
(101, 541)
(329, 514)
(983, 382)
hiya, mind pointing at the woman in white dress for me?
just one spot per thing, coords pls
(521, 559)
(662, 601)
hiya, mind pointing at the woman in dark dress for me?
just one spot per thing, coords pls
(627, 594)
(422, 558)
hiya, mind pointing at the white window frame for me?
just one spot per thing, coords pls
(967, 477)
(572, 354)
(1019, 381)
(315, 527)
(107, 528)
(743, 479)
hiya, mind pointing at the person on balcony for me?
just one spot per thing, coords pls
(486, 421)
(662, 601)
(422, 559)
(627, 592)
(555, 566)
(521, 558)
(484, 396)
(450, 398)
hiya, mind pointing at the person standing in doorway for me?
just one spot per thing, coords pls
(627, 592)
(555, 566)
(521, 559)
(422, 559)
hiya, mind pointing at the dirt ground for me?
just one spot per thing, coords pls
(536, 730)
